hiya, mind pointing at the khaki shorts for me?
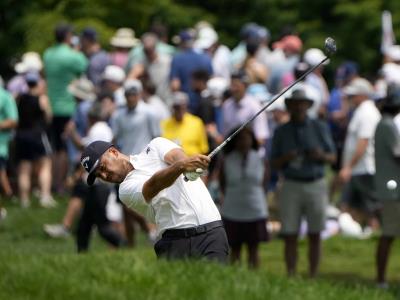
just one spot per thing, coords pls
(391, 218)
(303, 199)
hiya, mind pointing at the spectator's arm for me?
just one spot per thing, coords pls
(361, 147)
(45, 107)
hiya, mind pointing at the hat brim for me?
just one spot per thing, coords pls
(123, 43)
(81, 95)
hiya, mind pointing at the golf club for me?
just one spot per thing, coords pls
(329, 49)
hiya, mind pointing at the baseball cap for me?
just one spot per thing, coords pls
(91, 156)
(133, 87)
(179, 98)
(89, 34)
(314, 56)
(289, 42)
(393, 52)
(358, 86)
(114, 74)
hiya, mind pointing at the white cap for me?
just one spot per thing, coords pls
(30, 62)
(359, 86)
(278, 104)
(217, 86)
(83, 89)
(393, 52)
(314, 56)
(391, 73)
(114, 74)
(207, 37)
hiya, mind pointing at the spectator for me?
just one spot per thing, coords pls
(207, 41)
(134, 120)
(241, 107)
(154, 67)
(30, 62)
(387, 153)
(62, 64)
(32, 145)
(8, 121)
(244, 209)
(358, 165)
(122, 42)
(300, 148)
(114, 77)
(257, 72)
(158, 106)
(185, 129)
(98, 58)
(184, 63)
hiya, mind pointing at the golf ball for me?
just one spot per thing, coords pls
(391, 185)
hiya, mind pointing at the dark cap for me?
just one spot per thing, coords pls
(89, 34)
(392, 99)
(91, 157)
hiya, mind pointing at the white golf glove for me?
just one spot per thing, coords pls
(192, 176)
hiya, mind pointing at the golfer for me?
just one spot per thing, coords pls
(188, 221)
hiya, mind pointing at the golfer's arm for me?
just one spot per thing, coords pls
(165, 177)
(361, 147)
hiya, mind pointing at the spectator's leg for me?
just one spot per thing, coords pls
(235, 254)
(24, 182)
(73, 209)
(382, 257)
(45, 177)
(60, 163)
(5, 183)
(254, 257)
(140, 220)
(314, 253)
(129, 227)
(291, 253)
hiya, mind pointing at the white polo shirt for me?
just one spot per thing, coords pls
(182, 205)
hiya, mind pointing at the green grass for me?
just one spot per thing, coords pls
(33, 266)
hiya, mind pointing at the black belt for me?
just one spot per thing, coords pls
(305, 179)
(192, 231)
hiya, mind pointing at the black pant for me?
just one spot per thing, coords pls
(211, 245)
(94, 213)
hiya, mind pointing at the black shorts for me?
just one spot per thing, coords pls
(3, 163)
(31, 145)
(249, 233)
(57, 129)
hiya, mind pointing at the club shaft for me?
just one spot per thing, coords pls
(222, 145)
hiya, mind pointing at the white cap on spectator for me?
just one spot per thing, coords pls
(358, 86)
(217, 86)
(114, 74)
(206, 37)
(82, 88)
(133, 86)
(314, 56)
(30, 61)
(391, 73)
(393, 52)
(278, 104)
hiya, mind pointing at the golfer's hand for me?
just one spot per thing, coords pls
(195, 162)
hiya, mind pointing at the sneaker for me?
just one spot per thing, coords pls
(48, 202)
(25, 203)
(56, 231)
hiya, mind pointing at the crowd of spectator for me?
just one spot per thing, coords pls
(196, 93)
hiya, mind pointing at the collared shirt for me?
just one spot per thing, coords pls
(134, 129)
(190, 134)
(182, 205)
(303, 138)
(362, 126)
(236, 113)
(62, 64)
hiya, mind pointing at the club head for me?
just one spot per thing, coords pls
(330, 46)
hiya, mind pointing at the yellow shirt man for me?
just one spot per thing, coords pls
(190, 134)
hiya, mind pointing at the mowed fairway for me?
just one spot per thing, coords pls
(33, 266)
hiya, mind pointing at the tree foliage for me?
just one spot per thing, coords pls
(356, 25)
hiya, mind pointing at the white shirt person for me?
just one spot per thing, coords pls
(188, 221)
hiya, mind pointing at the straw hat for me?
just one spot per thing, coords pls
(124, 38)
(30, 61)
(82, 88)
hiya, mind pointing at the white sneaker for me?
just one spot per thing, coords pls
(48, 202)
(56, 231)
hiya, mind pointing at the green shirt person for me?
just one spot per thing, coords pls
(62, 64)
(8, 120)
